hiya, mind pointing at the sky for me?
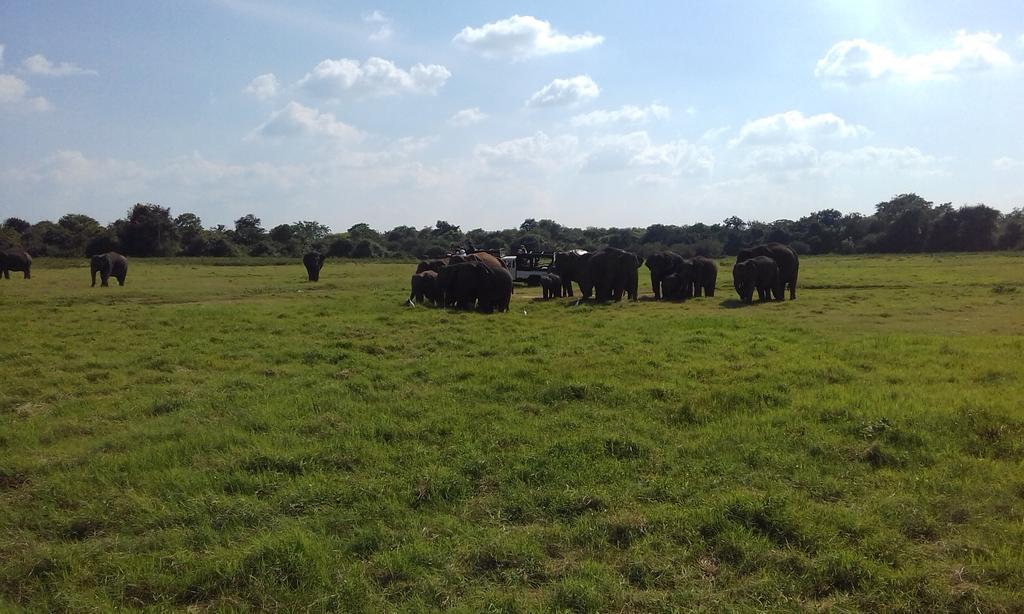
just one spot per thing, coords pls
(484, 114)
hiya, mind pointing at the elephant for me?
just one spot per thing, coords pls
(432, 265)
(15, 259)
(759, 272)
(613, 271)
(676, 286)
(474, 283)
(573, 266)
(551, 285)
(661, 265)
(483, 257)
(313, 261)
(704, 273)
(784, 257)
(110, 264)
(424, 287)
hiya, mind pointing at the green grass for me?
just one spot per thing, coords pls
(234, 437)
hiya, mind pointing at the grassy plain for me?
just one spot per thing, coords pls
(234, 437)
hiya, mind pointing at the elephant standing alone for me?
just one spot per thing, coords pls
(110, 264)
(313, 261)
(15, 259)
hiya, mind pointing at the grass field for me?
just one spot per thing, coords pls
(234, 437)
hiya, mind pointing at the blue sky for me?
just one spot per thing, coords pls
(484, 114)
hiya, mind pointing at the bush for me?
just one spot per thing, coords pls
(339, 248)
(366, 249)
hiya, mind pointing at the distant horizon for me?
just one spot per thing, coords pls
(466, 228)
(603, 116)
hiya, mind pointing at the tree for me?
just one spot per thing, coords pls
(9, 238)
(282, 233)
(1012, 235)
(904, 220)
(148, 231)
(944, 234)
(362, 231)
(310, 233)
(340, 248)
(248, 230)
(528, 225)
(365, 249)
(17, 224)
(734, 223)
(978, 228)
(444, 228)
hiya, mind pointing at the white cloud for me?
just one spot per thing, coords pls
(1, 56)
(795, 126)
(788, 157)
(71, 180)
(39, 65)
(855, 61)
(629, 113)
(298, 120)
(794, 161)
(14, 93)
(467, 117)
(711, 135)
(615, 152)
(1007, 164)
(263, 87)
(384, 30)
(376, 77)
(889, 158)
(522, 36)
(652, 179)
(561, 92)
(72, 170)
(538, 150)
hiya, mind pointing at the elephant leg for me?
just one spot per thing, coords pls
(656, 285)
(792, 289)
(120, 280)
(7, 274)
(709, 291)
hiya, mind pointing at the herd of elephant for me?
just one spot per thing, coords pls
(481, 281)
(110, 264)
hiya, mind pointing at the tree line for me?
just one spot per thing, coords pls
(906, 223)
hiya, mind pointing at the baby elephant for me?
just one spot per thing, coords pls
(760, 273)
(110, 264)
(551, 285)
(424, 288)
